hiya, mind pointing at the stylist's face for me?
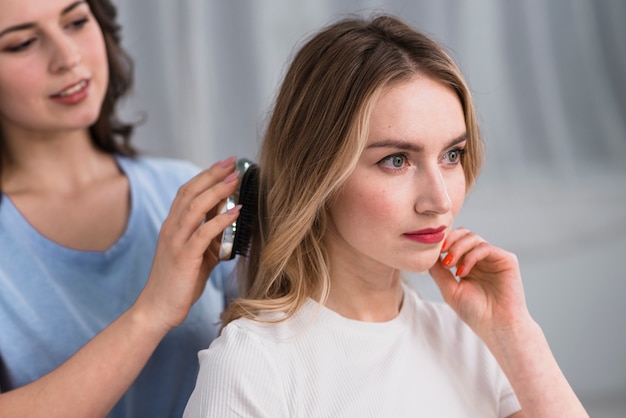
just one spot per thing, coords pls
(401, 200)
(53, 65)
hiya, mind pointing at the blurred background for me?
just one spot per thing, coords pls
(549, 81)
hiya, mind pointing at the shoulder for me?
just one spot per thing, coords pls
(245, 340)
(236, 339)
(238, 375)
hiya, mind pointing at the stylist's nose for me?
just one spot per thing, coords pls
(65, 54)
(432, 194)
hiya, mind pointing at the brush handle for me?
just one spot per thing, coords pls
(228, 235)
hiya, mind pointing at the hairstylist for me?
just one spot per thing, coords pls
(104, 299)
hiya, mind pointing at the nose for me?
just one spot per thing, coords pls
(433, 195)
(65, 54)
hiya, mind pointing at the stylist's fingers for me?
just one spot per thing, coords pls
(206, 179)
(201, 195)
(182, 261)
(202, 238)
(203, 242)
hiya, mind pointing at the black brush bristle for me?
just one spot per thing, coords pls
(247, 220)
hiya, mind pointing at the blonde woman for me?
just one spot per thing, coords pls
(372, 146)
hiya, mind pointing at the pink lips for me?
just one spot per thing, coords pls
(73, 93)
(428, 235)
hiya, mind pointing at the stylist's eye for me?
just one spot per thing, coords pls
(394, 162)
(22, 46)
(78, 23)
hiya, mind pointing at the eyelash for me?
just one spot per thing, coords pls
(78, 23)
(22, 46)
(389, 158)
(75, 25)
(459, 151)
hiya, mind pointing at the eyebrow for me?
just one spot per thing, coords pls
(25, 26)
(410, 146)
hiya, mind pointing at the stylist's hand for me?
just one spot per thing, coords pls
(488, 295)
(184, 256)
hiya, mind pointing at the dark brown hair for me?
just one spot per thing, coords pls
(108, 133)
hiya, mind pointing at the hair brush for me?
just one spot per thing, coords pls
(236, 237)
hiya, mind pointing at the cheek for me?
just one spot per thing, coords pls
(19, 86)
(94, 50)
(456, 192)
(362, 205)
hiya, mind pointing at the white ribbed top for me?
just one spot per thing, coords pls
(425, 362)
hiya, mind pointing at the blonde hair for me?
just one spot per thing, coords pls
(315, 136)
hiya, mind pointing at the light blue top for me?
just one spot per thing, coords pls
(54, 299)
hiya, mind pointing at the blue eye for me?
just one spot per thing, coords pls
(454, 156)
(395, 161)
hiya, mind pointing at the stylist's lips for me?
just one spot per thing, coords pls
(72, 94)
(428, 235)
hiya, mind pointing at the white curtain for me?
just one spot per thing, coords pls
(548, 77)
(549, 80)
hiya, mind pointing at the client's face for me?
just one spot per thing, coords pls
(401, 200)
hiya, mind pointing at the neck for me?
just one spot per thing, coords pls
(53, 162)
(363, 290)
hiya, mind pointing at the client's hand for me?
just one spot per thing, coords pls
(487, 293)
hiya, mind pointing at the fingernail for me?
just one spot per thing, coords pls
(446, 261)
(227, 162)
(231, 177)
(234, 209)
(459, 270)
(443, 245)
